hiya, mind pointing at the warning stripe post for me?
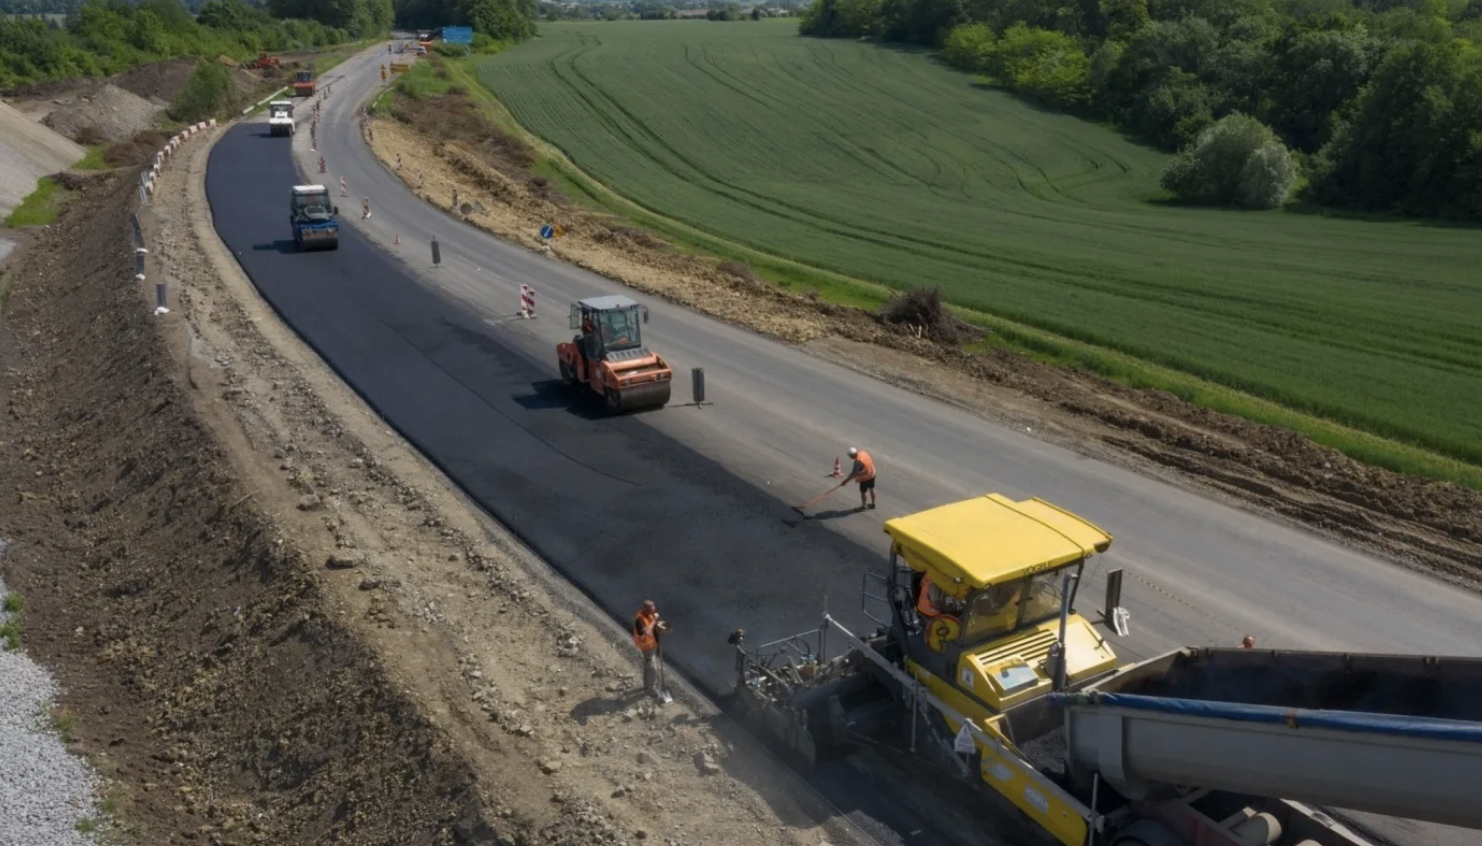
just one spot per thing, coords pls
(527, 302)
(344, 188)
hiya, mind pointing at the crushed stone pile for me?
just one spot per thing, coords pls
(47, 790)
(111, 113)
(29, 151)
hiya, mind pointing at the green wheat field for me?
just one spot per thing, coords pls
(887, 166)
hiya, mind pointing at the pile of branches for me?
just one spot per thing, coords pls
(922, 312)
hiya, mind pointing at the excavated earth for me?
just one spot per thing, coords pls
(447, 149)
(273, 622)
(209, 677)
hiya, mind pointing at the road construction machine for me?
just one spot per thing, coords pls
(280, 118)
(303, 83)
(609, 355)
(314, 218)
(263, 62)
(981, 665)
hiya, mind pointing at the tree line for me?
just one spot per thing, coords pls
(1367, 105)
(500, 20)
(104, 37)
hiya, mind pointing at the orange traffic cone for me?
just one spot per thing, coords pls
(838, 470)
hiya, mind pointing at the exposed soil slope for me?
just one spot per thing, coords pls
(206, 669)
(446, 148)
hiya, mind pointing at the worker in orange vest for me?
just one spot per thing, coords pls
(864, 474)
(646, 629)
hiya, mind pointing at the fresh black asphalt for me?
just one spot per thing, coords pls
(621, 510)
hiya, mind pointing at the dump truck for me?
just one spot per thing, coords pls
(280, 118)
(314, 218)
(609, 356)
(981, 665)
(303, 83)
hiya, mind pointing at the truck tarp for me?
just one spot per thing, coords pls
(1297, 718)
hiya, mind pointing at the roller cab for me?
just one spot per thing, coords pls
(609, 357)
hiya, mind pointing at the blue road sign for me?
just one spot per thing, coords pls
(457, 35)
(547, 231)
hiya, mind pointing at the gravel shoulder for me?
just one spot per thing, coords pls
(275, 622)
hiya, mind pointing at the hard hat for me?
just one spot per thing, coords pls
(853, 451)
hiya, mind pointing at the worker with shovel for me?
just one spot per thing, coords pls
(646, 630)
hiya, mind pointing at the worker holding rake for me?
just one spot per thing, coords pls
(863, 472)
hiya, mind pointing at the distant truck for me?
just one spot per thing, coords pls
(313, 218)
(280, 118)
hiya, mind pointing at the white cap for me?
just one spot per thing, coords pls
(853, 451)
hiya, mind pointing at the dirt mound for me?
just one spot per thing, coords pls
(159, 83)
(107, 115)
(248, 83)
(204, 665)
(29, 151)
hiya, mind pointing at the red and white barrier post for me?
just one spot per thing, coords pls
(527, 302)
(344, 188)
(321, 164)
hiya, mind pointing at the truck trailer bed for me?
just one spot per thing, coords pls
(1393, 735)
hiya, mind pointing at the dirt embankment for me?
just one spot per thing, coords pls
(210, 676)
(444, 146)
(274, 622)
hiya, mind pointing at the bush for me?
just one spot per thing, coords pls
(970, 47)
(210, 92)
(1237, 161)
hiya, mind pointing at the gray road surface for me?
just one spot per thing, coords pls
(690, 506)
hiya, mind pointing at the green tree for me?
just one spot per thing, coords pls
(1238, 161)
(1415, 143)
(210, 92)
(1043, 64)
(1124, 18)
(970, 47)
(1315, 76)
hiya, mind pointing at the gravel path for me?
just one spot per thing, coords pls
(44, 790)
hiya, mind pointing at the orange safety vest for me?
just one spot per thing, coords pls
(923, 600)
(869, 467)
(643, 632)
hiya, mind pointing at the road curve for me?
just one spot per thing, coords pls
(690, 506)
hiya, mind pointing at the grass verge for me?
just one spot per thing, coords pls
(1038, 344)
(96, 158)
(40, 207)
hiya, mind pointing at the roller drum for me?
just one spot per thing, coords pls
(649, 395)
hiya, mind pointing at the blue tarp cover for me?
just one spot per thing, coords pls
(1296, 718)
